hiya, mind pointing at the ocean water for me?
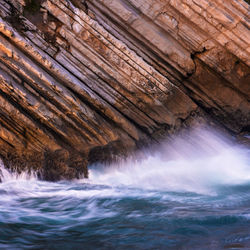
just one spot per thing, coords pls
(191, 193)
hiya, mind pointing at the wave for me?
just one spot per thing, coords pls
(198, 161)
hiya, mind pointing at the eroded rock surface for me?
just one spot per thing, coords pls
(88, 80)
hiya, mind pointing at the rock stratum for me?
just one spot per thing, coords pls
(84, 81)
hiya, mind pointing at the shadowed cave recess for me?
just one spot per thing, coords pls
(96, 81)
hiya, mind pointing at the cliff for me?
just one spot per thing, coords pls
(82, 81)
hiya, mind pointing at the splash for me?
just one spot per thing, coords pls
(7, 176)
(199, 161)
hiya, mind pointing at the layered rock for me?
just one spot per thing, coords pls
(84, 81)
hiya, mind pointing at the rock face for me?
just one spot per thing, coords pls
(82, 81)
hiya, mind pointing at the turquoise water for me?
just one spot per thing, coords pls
(189, 194)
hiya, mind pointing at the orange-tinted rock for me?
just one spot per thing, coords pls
(97, 79)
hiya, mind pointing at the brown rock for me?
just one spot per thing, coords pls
(95, 80)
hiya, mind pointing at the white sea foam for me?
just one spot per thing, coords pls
(6, 175)
(196, 162)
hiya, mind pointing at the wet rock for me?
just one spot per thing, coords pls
(60, 164)
(244, 138)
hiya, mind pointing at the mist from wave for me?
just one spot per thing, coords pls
(199, 161)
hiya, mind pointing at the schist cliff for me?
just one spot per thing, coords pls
(85, 81)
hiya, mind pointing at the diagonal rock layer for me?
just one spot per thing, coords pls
(87, 81)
